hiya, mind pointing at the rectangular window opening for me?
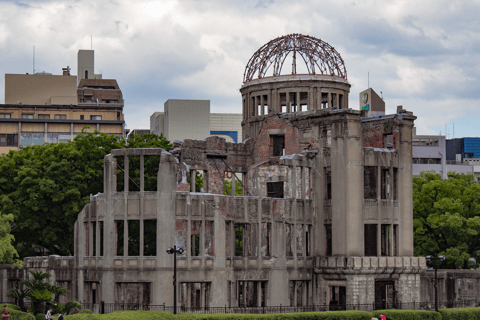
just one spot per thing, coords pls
(150, 165)
(60, 117)
(278, 142)
(328, 183)
(266, 234)
(27, 116)
(395, 176)
(370, 236)
(275, 189)
(94, 242)
(82, 117)
(133, 238)
(395, 240)
(328, 242)
(388, 141)
(195, 245)
(150, 237)
(385, 239)
(5, 115)
(370, 182)
(101, 238)
(95, 117)
(120, 233)
(386, 184)
(239, 240)
(43, 116)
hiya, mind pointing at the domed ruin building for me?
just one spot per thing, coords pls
(324, 218)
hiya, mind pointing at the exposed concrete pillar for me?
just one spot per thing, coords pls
(166, 197)
(193, 174)
(262, 103)
(110, 164)
(347, 194)
(287, 102)
(405, 188)
(298, 101)
(233, 184)
(203, 295)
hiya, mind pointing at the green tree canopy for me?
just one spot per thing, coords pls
(447, 218)
(44, 187)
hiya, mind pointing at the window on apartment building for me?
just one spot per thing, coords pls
(27, 116)
(370, 182)
(82, 117)
(278, 142)
(43, 116)
(95, 117)
(60, 116)
(9, 140)
(5, 115)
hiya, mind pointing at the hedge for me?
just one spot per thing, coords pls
(19, 315)
(460, 314)
(393, 314)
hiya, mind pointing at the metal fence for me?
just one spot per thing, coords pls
(111, 307)
(100, 308)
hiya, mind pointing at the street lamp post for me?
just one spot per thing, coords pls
(174, 251)
(435, 260)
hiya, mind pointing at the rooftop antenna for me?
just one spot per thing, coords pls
(33, 59)
(381, 95)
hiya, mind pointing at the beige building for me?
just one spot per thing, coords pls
(40, 89)
(191, 119)
(49, 108)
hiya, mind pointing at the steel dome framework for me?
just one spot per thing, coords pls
(319, 57)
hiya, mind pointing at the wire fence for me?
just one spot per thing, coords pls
(101, 308)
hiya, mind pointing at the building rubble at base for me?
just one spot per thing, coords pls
(325, 216)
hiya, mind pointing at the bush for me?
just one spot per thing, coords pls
(12, 307)
(460, 314)
(59, 308)
(20, 315)
(407, 314)
(71, 304)
(86, 311)
(40, 316)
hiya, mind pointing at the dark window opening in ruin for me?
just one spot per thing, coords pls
(87, 241)
(370, 236)
(308, 243)
(120, 174)
(239, 240)
(388, 141)
(94, 243)
(325, 102)
(86, 74)
(293, 102)
(275, 189)
(134, 238)
(395, 240)
(251, 293)
(395, 176)
(328, 183)
(133, 294)
(253, 107)
(101, 238)
(384, 295)
(328, 242)
(266, 234)
(338, 297)
(266, 104)
(278, 142)
(199, 179)
(386, 184)
(150, 237)
(386, 239)
(194, 295)
(370, 182)
(283, 102)
(195, 244)
(298, 292)
(340, 101)
(120, 232)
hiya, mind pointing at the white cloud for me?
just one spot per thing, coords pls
(422, 55)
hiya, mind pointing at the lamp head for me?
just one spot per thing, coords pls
(442, 258)
(180, 250)
(429, 258)
(170, 250)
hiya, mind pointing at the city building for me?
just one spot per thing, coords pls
(191, 119)
(139, 132)
(326, 216)
(42, 107)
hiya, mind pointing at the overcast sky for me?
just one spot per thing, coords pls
(423, 54)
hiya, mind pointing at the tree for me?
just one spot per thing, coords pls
(45, 186)
(447, 218)
(39, 291)
(8, 254)
(19, 296)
